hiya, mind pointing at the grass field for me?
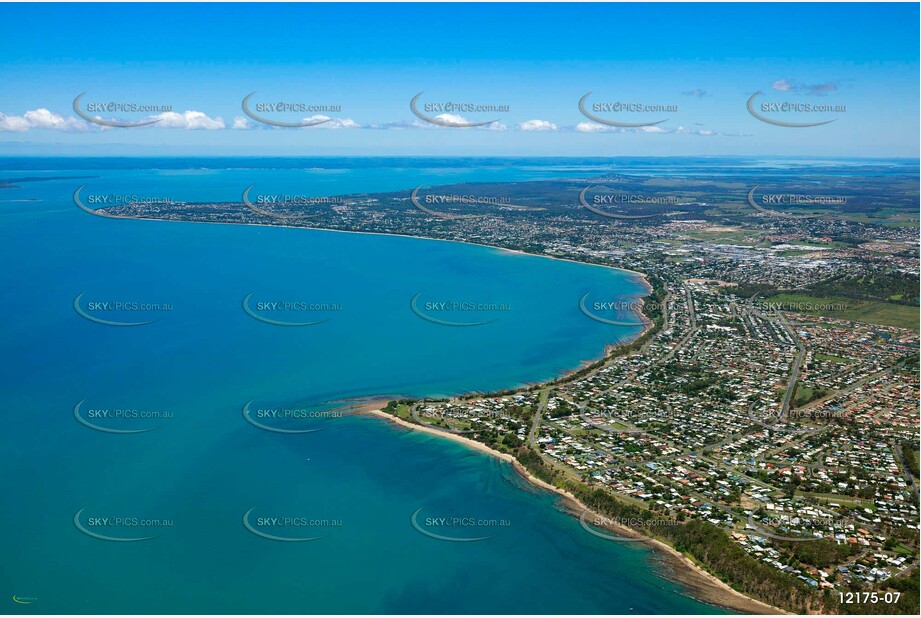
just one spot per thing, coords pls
(403, 412)
(871, 312)
(804, 394)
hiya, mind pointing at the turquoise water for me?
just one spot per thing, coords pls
(355, 482)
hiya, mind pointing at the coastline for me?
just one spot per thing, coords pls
(608, 348)
(702, 585)
(635, 273)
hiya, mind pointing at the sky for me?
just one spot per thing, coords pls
(364, 63)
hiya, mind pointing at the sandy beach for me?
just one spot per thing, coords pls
(700, 584)
(100, 212)
(607, 350)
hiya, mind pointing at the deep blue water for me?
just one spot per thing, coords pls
(202, 358)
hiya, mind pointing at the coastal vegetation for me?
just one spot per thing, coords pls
(702, 542)
(770, 281)
(709, 546)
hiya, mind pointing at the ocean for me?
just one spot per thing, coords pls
(137, 355)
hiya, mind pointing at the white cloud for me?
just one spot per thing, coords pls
(421, 124)
(417, 124)
(44, 119)
(594, 127)
(333, 123)
(819, 90)
(452, 119)
(188, 120)
(460, 120)
(686, 131)
(401, 124)
(13, 123)
(243, 123)
(41, 119)
(783, 85)
(537, 125)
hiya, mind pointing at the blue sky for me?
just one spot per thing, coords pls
(703, 60)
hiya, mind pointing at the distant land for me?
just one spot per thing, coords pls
(780, 368)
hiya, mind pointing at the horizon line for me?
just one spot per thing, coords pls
(452, 156)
